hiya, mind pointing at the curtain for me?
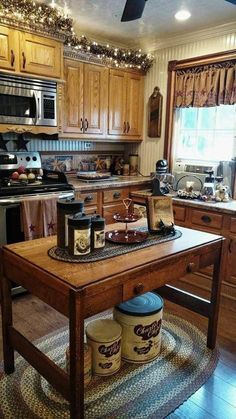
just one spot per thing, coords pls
(206, 86)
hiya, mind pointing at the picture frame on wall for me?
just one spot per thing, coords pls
(155, 113)
(159, 213)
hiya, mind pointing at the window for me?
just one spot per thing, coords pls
(205, 134)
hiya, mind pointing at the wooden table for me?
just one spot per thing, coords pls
(82, 290)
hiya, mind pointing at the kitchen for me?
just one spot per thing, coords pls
(114, 130)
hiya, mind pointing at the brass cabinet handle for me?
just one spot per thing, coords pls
(191, 267)
(138, 289)
(206, 219)
(12, 58)
(86, 124)
(124, 129)
(116, 195)
(24, 59)
(128, 127)
(88, 198)
(81, 124)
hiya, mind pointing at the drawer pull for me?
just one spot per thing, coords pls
(23, 59)
(88, 198)
(124, 129)
(206, 219)
(191, 267)
(116, 195)
(138, 289)
(12, 58)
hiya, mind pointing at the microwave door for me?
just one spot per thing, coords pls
(17, 106)
(46, 108)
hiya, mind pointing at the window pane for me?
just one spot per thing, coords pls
(224, 148)
(226, 117)
(206, 118)
(189, 117)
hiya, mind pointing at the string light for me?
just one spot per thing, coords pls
(55, 20)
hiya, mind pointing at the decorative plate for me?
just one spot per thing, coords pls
(126, 237)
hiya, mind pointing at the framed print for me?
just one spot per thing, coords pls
(155, 113)
(159, 213)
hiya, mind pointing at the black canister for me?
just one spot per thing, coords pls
(65, 208)
(97, 232)
(79, 228)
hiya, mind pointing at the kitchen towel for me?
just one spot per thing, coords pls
(49, 214)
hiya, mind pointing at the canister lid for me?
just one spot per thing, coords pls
(71, 204)
(97, 221)
(78, 220)
(143, 305)
(103, 330)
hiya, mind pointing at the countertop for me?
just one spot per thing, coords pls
(118, 182)
(223, 207)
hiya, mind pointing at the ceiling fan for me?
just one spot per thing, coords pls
(232, 1)
(133, 10)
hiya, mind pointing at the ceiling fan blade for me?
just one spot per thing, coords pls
(133, 10)
(232, 1)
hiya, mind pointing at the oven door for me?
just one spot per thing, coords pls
(18, 105)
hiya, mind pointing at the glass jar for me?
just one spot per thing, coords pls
(97, 232)
(79, 229)
(133, 164)
(65, 208)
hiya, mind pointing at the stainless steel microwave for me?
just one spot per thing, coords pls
(25, 101)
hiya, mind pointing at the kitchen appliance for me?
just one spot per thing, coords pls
(13, 192)
(209, 185)
(162, 180)
(26, 101)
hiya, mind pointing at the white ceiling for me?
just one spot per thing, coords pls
(101, 19)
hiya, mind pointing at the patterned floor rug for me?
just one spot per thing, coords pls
(137, 391)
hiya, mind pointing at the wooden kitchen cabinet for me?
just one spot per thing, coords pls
(125, 104)
(24, 52)
(85, 99)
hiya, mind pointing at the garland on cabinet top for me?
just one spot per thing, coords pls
(43, 18)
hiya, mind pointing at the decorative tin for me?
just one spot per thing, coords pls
(87, 363)
(97, 232)
(141, 321)
(79, 227)
(104, 336)
(64, 209)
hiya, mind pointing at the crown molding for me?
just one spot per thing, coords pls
(187, 38)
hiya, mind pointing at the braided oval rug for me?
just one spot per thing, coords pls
(150, 390)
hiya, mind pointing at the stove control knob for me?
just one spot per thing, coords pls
(34, 158)
(27, 158)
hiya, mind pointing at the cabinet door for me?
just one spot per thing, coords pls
(8, 48)
(41, 56)
(95, 99)
(134, 105)
(117, 102)
(73, 98)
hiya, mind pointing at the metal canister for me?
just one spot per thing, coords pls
(79, 234)
(97, 232)
(104, 336)
(87, 363)
(65, 208)
(141, 321)
(133, 164)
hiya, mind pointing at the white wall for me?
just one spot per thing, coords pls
(152, 149)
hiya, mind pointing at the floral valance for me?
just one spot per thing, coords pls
(205, 86)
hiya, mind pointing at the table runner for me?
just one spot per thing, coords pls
(112, 249)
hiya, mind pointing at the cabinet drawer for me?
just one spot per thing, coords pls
(179, 213)
(90, 210)
(233, 225)
(90, 198)
(115, 195)
(207, 219)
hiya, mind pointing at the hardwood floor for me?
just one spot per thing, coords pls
(215, 399)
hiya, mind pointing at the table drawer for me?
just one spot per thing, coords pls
(207, 219)
(115, 195)
(90, 198)
(156, 278)
(233, 225)
(90, 210)
(179, 213)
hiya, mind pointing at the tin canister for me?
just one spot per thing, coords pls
(104, 336)
(141, 321)
(64, 209)
(87, 363)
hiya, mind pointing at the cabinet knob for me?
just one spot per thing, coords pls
(138, 289)
(116, 195)
(206, 219)
(88, 198)
(12, 58)
(24, 59)
(191, 267)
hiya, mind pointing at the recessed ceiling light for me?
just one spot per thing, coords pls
(182, 15)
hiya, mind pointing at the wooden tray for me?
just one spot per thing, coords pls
(123, 237)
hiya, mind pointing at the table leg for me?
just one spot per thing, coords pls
(76, 355)
(218, 272)
(6, 303)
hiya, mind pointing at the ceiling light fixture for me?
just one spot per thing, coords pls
(182, 15)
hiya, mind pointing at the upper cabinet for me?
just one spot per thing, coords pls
(125, 104)
(85, 99)
(27, 53)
